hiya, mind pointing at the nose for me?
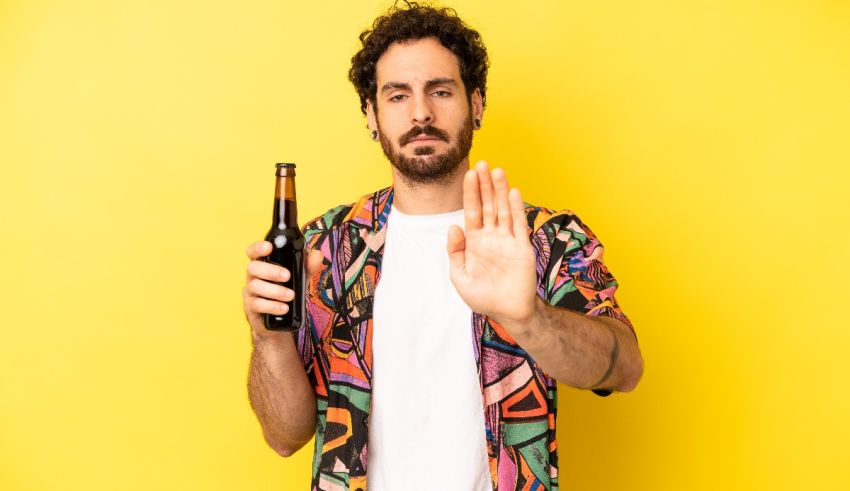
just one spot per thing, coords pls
(421, 110)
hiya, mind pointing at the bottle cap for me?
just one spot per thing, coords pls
(285, 169)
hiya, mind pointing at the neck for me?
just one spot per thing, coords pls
(430, 199)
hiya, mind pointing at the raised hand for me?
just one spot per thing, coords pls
(492, 261)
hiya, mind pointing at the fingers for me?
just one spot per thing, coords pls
(268, 271)
(456, 247)
(520, 221)
(260, 288)
(259, 249)
(261, 305)
(471, 201)
(272, 272)
(262, 294)
(261, 297)
(488, 203)
(457, 240)
(504, 222)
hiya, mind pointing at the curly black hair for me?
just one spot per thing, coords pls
(414, 21)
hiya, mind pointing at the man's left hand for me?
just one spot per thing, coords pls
(492, 261)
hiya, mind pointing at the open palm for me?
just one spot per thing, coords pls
(492, 261)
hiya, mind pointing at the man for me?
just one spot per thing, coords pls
(441, 310)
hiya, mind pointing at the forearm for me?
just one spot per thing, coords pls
(281, 394)
(588, 352)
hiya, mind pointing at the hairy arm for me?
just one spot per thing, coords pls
(281, 394)
(279, 388)
(587, 352)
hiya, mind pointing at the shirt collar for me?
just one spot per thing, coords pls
(371, 211)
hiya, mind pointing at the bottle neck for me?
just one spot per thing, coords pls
(285, 208)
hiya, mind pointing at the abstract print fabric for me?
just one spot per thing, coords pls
(519, 398)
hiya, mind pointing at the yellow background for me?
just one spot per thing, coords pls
(706, 143)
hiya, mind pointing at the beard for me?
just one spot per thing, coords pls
(426, 166)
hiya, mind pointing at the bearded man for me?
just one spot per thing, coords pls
(442, 310)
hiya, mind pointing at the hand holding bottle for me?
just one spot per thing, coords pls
(262, 293)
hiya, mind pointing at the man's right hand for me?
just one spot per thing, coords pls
(262, 294)
(278, 385)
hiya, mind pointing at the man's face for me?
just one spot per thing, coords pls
(423, 117)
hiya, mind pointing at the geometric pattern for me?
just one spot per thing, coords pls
(519, 398)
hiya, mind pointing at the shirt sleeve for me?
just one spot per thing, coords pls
(572, 271)
(319, 308)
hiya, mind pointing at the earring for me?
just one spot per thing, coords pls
(477, 124)
(374, 135)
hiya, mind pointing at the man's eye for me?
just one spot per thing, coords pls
(397, 97)
(442, 93)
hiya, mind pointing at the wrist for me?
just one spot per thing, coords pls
(276, 340)
(521, 326)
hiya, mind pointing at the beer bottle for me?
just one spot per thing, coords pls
(287, 249)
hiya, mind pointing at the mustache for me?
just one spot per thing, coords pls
(427, 130)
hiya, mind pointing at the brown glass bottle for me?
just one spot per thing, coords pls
(287, 249)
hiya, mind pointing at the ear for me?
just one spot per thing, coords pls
(477, 104)
(371, 117)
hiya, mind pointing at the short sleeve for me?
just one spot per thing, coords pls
(572, 272)
(574, 275)
(319, 308)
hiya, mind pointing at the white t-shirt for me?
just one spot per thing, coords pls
(426, 424)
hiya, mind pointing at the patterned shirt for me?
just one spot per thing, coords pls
(519, 398)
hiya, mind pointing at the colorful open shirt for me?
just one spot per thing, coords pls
(519, 397)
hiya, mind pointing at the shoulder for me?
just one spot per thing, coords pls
(327, 220)
(546, 221)
(360, 212)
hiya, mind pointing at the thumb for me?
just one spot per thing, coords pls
(314, 262)
(456, 247)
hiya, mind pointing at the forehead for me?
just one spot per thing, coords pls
(416, 61)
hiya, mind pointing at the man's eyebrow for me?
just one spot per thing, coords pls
(429, 84)
(393, 86)
(440, 81)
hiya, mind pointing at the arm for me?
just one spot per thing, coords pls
(279, 388)
(588, 352)
(281, 394)
(493, 267)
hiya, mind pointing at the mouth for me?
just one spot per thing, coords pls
(425, 139)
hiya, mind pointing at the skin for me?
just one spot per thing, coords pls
(287, 417)
(492, 261)
(493, 269)
(445, 106)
